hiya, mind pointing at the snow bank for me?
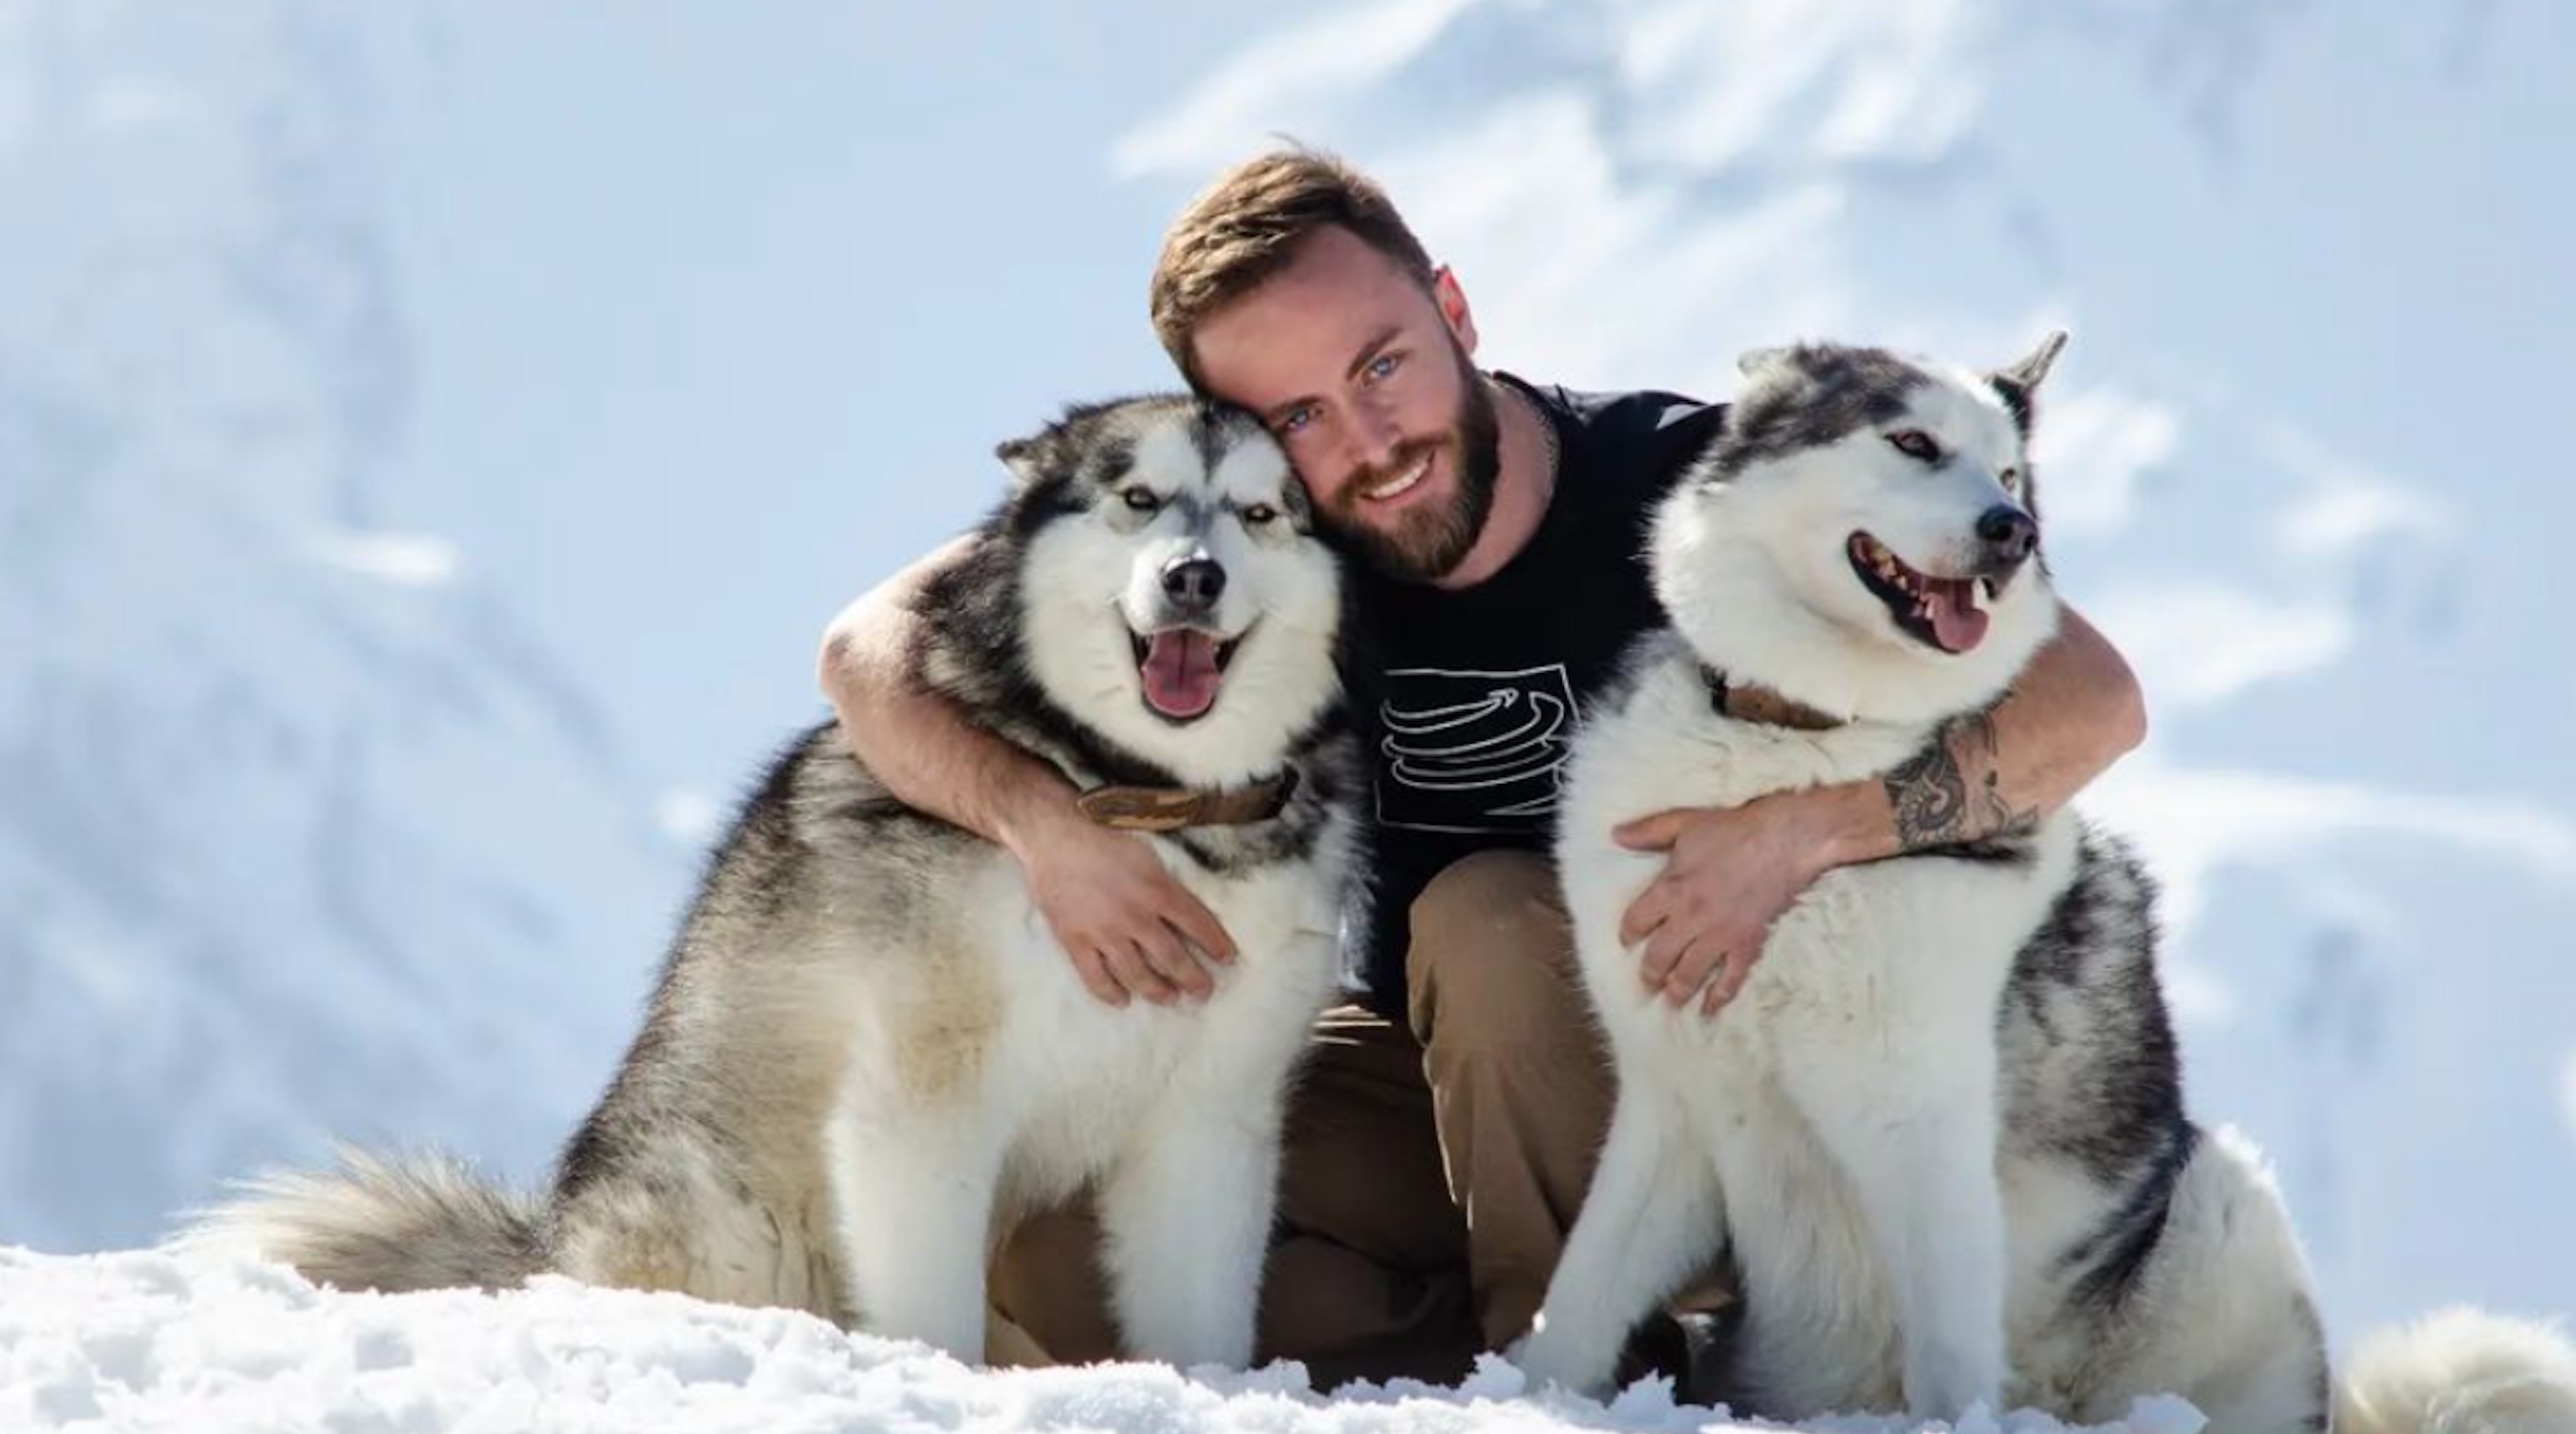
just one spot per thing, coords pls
(146, 1340)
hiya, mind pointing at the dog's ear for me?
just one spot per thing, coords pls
(2034, 367)
(1752, 363)
(1025, 457)
(2020, 382)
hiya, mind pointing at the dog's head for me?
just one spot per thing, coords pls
(1174, 597)
(1864, 536)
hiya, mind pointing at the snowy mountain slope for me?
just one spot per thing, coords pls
(254, 893)
(2310, 290)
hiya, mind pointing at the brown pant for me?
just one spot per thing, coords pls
(1431, 1169)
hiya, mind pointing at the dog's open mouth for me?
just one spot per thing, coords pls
(1939, 612)
(1182, 668)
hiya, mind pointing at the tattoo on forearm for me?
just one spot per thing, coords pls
(1930, 795)
(1931, 791)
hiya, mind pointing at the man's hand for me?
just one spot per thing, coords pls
(1729, 873)
(1131, 928)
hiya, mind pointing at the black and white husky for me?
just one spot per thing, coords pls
(1942, 1123)
(866, 1054)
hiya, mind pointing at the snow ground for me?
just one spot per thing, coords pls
(147, 1340)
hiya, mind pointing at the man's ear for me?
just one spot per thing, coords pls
(1452, 299)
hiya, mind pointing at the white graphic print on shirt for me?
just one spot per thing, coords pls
(1473, 751)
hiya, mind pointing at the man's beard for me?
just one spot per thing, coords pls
(1426, 544)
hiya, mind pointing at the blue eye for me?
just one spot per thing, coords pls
(1143, 500)
(1259, 514)
(1297, 418)
(1916, 444)
(1383, 366)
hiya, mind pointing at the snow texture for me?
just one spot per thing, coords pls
(148, 1341)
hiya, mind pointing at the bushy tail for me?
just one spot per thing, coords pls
(2460, 1371)
(416, 1222)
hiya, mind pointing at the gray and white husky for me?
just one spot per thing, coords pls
(867, 1055)
(1943, 1121)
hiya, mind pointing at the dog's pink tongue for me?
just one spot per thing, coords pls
(1180, 672)
(1957, 622)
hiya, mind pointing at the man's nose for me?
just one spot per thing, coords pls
(1374, 437)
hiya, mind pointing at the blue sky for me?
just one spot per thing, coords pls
(717, 323)
(699, 305)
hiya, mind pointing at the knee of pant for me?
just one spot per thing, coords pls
(1492, 959)
(1045, 1281)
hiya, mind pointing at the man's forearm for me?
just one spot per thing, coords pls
(916, 741)
(2075, 711)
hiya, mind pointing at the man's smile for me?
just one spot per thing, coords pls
(1402, 483)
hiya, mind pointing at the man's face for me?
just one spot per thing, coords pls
(1364, 377)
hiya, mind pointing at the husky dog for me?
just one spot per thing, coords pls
(866, 1055)
(1943, 1121)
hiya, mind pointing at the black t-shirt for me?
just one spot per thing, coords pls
(1467, 699)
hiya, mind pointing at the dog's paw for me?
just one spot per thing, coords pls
(1546, 1359)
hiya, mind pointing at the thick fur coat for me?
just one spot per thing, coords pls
(1942, 1125)
(867, 1055)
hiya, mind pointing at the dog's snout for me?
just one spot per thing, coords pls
(2008, 533)
(1193, 584)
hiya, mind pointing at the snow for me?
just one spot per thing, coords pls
(146, 1340)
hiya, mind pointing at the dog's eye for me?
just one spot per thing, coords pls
(1141, 499)
(2012, 480)
(1259, 514)
(1915, 443)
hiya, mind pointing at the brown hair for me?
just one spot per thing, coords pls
(1247, 226)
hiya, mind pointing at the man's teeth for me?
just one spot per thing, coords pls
(1398, 483)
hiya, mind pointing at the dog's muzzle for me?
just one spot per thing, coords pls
(1193, 585)
(2006, 538)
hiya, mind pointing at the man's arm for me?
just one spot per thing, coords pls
(1130, 928)
(2075, 710)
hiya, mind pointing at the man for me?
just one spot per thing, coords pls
(1441, 1141)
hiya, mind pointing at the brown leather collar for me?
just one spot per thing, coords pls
(1169, 809)
(1763, 706)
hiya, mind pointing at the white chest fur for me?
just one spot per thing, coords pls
(1819, 1117)
(987, 1081)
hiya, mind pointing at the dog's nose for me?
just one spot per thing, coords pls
(2008, 532)
(1194, 583)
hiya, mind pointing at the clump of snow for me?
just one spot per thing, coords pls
(205, 1343)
